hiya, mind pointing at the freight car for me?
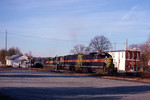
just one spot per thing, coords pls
(93, 62)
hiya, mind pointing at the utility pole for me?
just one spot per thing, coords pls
(5, 46)
(30, 58)
(56, 63)
(126, 44)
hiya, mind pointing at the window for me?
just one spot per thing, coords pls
(133, 55)
(128, 55)
(137, 56)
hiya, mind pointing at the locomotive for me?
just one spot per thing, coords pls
(101, 63)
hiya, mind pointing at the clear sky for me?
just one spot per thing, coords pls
(61, 24)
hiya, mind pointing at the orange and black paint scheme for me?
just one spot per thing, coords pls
(86, 63)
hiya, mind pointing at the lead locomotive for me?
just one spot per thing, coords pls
(101, 63)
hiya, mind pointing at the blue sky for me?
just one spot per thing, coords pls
(61, 24)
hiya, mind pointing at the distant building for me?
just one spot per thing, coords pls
(18, 60)
(126, 60)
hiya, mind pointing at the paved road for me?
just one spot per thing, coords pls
(33, 85)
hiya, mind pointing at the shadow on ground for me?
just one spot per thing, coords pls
(75, 93)
(38, 76)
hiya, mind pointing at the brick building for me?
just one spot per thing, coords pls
(126, 60)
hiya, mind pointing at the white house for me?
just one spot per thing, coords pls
(126, 60)
(18, 60)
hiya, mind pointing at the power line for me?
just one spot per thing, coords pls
(29, 36)
(121, 43)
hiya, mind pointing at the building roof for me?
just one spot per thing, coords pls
(124, 50)
(15, 56)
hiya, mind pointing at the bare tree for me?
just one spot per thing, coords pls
(137, 46)
(2, 55)
(100, 43)
(29, 55)
(13, 51)
(80, 49)
(148, 40)
(145, 54)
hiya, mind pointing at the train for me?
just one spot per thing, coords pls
(101, 63)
